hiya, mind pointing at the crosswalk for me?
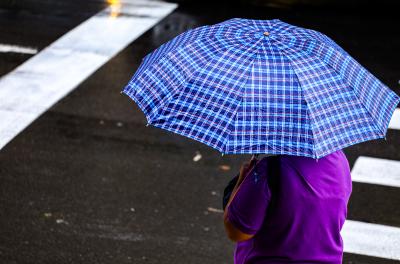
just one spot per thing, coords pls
(69, 61)
(17, 49)
(367, 238)
(376, 171)
(371, 239)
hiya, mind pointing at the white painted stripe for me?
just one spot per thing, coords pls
(366, 238)
(41, 81)
(17, 49)
(376, 171)
(395, 121)
(371, 239)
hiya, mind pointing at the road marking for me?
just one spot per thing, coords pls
(371, 239)
(41, 81)
(395, 121)
(366, 238)
(376, 171)
(17, 49)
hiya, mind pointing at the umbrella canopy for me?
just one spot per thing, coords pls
(249, 86)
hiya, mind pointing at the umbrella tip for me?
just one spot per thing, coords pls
(147, 124)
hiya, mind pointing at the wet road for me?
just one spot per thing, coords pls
(88, 182)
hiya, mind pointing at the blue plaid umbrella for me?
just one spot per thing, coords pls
(261, 87)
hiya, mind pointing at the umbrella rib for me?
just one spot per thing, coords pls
(173, 91)
(327, 64)
(193, 74)
(344, 81)
(255, 55)
(308, 113)
(132, 92)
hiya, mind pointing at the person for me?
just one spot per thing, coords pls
(289, 209)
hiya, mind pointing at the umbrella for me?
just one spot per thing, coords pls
(252, 86)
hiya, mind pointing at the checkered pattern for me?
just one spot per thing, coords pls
(293, 92)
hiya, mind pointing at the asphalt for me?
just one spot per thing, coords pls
(88, 182)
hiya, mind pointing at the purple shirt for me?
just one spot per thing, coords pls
(295, 206)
